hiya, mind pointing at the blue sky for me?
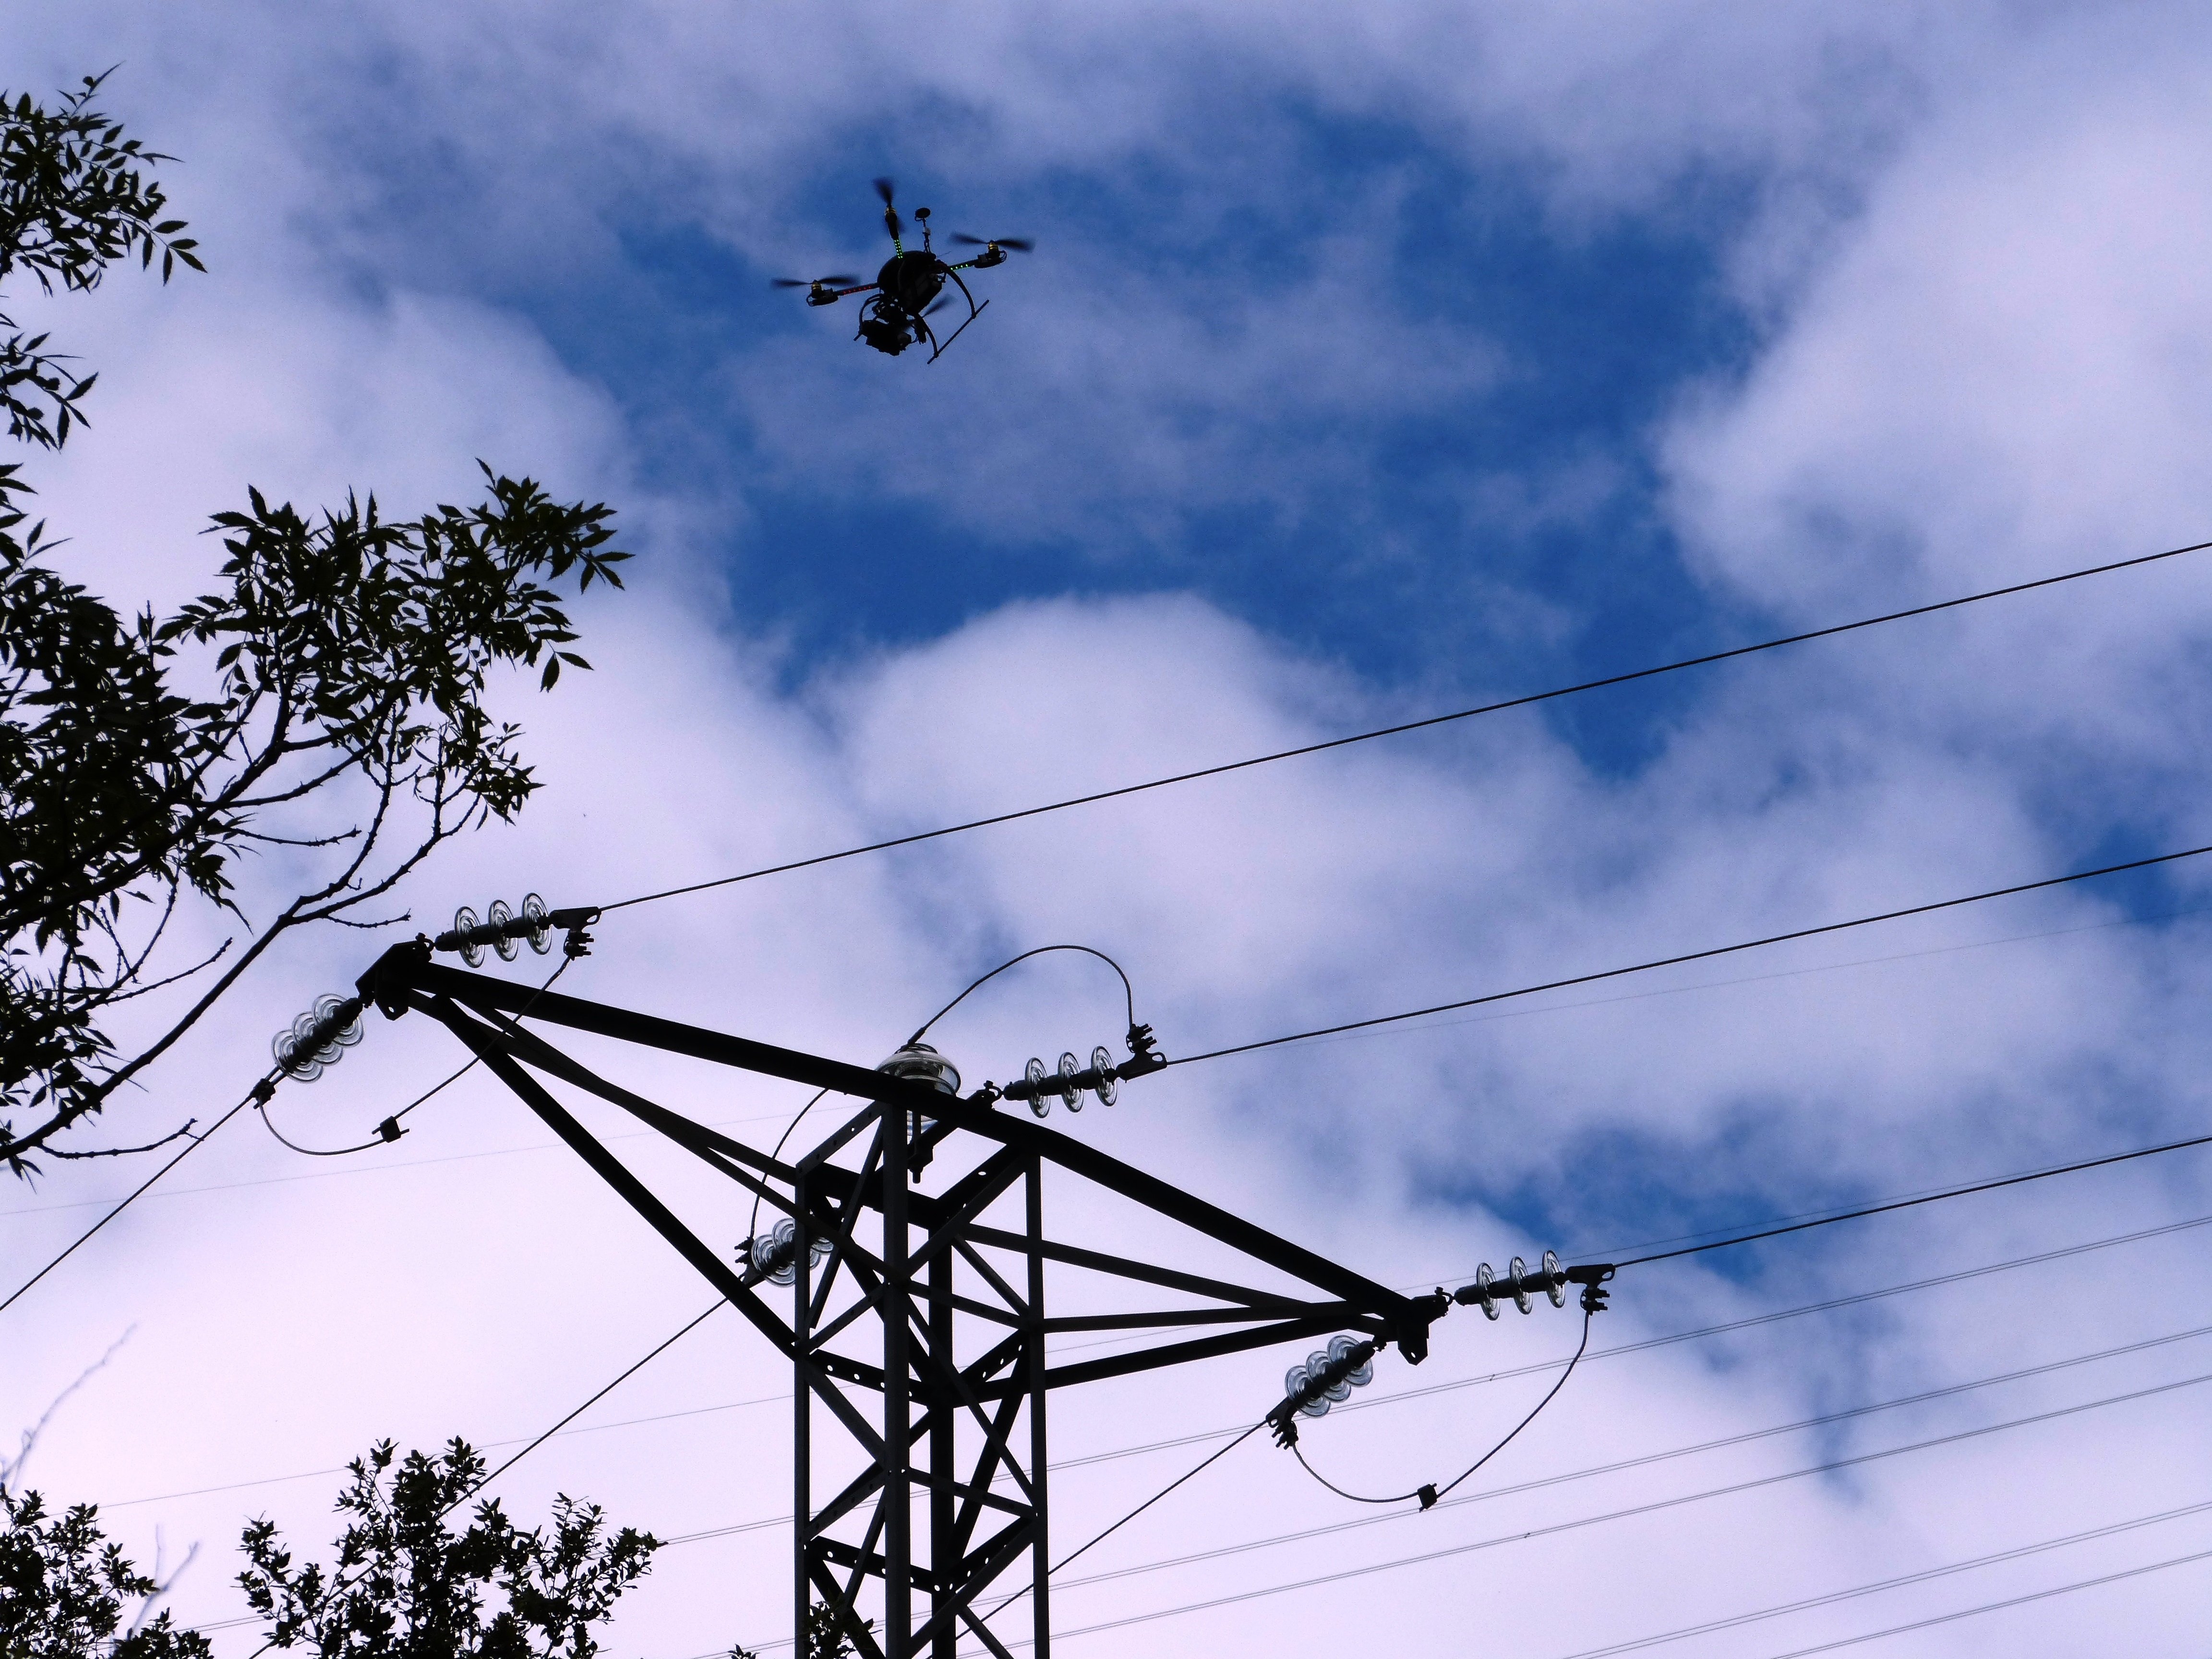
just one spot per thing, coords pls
(1368, 364)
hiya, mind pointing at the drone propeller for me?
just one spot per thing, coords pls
(819, 282)
(884, 188)
(1018, 244)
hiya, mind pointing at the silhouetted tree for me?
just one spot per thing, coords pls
(338, 674)
(63, 1589)
(406, 1586)
(406, 1582)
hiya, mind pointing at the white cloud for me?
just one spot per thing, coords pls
(1900, 421)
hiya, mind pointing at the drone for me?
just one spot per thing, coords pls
(909, 288)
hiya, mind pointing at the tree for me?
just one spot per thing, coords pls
(406, 1587)
(827, 1637)
(62, 1588)
(340, 671)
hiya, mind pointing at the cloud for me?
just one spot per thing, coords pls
(1894, 429)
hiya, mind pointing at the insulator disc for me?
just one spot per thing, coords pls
(1294, 1381)
(541, 924)
(499, 915)
(284, 1051)
(772, 1254)
(1338, 1346)
(465, 922)
(1109, 1090)
(1034, 1073)
(1520, 1290)
(328, 1006)
(1555, 1288)
(1068, 1091)
(1316, 1363)
(1482, 1283)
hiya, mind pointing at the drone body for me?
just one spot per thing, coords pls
(909, 286)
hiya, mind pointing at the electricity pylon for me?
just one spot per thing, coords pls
(934, 1303)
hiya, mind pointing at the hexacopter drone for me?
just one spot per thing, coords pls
(909, 286)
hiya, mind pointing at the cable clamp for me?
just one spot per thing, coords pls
(1428, 1495)
(1592, 1278)
(264, 1091)
(573, 923)
(389, 1130)
(1144, 1057)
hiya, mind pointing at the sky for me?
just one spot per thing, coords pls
(1369, 363)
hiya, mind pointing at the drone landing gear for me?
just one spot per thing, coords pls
(958, 332)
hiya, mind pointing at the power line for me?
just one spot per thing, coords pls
(1994, 1606)
(483, 1445)
(1696, 956)
(1589, 1472)
(386, 1168)
(1555, 1528)
(1926, 1197)
(1924, 1576)
(541, 1439)
(1204, 1464)
(1399, 1397)
(1826, 1419)
(504, 1151)
(263, 1090)
(266, 1082)
(534, 1444)
(1646, 1459)
(1522, 702)
(1654, 1507)
(1431, 1495)
(1803, 973)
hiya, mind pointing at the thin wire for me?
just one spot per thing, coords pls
(317, 1151)
(1581, 1348)
(1845, 1414)
(197, 1141)
(752, 1226)
(1924, 1576)
(1440, 1493)
(267, 1081)
(718, 1302)
(380, 1141)
(1994, 1606)
(1129, 996)
(1409, 725)
(1212, 1457)
(1655, 1506)
(1697, 956)
(343, 1584)
(1404, 1395)
(1928, 1198)
(385, 1169)
(1553, 1529)
(1591, 1471)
